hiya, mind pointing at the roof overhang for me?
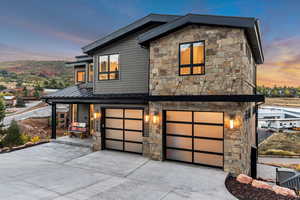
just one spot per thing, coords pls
(151, 18)
(251, 26)
(144, 98)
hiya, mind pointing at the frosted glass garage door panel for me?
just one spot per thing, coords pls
(179, 155)
(208, 159)
(179, 142)
(181, 116)
(215, 146)
(179, 129)
(132, 113)
(133, 147)
(114, 123)
(134, 136)
(209, 117)
(114, 112)
(114, 144)
(114, 134)
(208, 131)
(134, 124)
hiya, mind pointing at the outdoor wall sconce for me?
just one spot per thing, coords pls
(97, 115)
(155, 118)
(231, 121)
(147, 117)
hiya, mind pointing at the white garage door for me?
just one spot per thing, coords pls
(124, 129)
(194, 137)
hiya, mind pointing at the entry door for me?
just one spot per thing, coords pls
(124, 129)
(194, 137)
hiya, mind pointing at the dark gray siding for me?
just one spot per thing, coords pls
(133, 60)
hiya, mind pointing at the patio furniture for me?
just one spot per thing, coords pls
(78, 129)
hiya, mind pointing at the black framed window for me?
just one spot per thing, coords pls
(108, 67)
(192, 58)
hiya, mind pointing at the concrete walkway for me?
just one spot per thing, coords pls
(55, 171)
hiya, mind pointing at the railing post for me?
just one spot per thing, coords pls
(253, 162)
(53, 121)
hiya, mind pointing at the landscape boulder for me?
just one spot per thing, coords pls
(283, 191)
(261, 184)
(242, 178)
(28, 144)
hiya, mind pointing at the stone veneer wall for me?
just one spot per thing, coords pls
(237, 141)
(228, 63)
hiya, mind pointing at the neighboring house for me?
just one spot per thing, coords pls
(10, 101)
(172, 87)
(278, 117)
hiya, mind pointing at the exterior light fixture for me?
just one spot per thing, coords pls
(231, 121)
(97, 115)
(155, 118)
(147, 117)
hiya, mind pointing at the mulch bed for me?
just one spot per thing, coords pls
(247, 192)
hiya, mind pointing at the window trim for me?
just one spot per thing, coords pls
(108, 67)
(84, 76)
(191, 66)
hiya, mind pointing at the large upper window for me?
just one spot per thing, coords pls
(191, 58)
(108, 67)
(80, 76)
(91, 72)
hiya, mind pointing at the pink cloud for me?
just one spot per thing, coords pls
(282, 63)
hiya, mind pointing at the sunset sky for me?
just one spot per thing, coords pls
(57, 29)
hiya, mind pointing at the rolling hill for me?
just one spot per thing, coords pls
(30, 71)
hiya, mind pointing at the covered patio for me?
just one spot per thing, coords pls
(82, 102)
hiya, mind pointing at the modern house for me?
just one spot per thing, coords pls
(170, 87)
(272, 117)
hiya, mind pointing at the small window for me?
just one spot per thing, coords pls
(191, 58)
(62, 115)
(91, 72)
(108, 67)
(80, 76)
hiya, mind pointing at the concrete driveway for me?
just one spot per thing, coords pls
(62, 172)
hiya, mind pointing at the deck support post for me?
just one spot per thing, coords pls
(53, 121)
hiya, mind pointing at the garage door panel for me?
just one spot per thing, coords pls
(134, 136)
(114, 134)
(195, 137)
(124, 129)
(113, 123)
(133, 147)
(134, 124)
(215, 146)
(208, 131)
(179, 129)
(179, 142)
(133, 113)
(110, 144)
(179, 116)
(208, 117)
(114, 113)
(208, 159)
(186, 156)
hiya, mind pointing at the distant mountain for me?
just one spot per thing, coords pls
(43, 68)
(35, 71)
